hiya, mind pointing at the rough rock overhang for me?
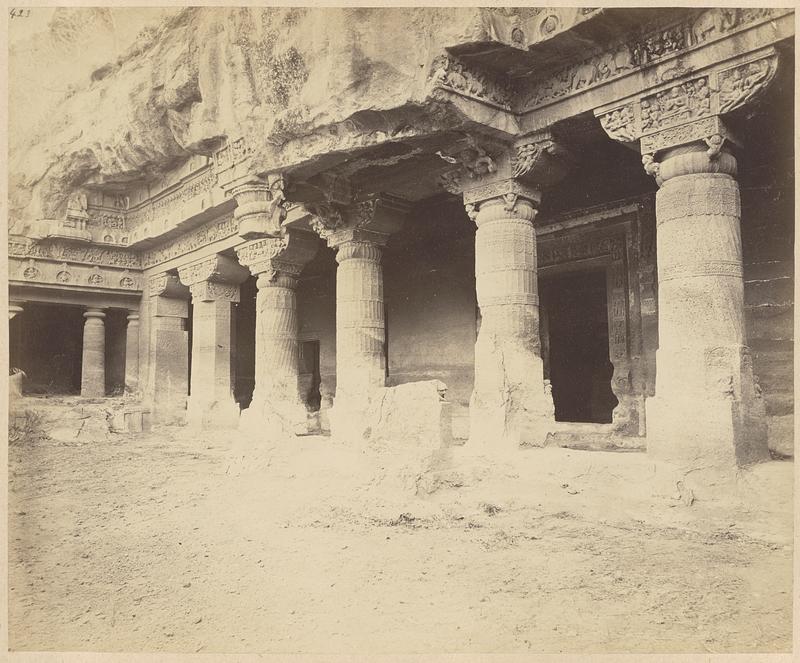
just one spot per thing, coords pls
(354, 90)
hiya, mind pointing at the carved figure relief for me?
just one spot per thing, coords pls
(739, 85)
(625, 56)
(619, 124)
(452, 74)
(680, 103)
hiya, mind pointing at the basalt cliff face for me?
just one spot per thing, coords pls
(292, 81)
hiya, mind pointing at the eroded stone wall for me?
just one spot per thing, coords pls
(767, 244)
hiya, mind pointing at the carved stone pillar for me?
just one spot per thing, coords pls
(93, 368)
(358, 234)
(276, 407)
(168, 360)
(214, 285)
(707, 409)
(509, 403)
(132, 353)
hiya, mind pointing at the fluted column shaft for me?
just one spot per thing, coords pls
(132, 353)
(706, 402)
(509, 404)
(93, 368)
(360, 322)
(276, 338)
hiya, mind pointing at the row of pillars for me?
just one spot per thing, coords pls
(93, 360)
(707, 403)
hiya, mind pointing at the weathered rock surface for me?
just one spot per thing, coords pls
(286, 79)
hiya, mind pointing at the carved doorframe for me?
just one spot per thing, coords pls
(613, 248)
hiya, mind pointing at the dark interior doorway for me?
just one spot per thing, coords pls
(309, 377)
(244, 362)
(576, 348)
(46, 342)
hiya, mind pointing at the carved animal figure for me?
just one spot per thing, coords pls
(583, 75)
(714, 21)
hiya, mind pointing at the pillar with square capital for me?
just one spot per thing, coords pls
(93, 367)
(510, 404)
(276, 408)
(132, 353)
(168, 359)
(214, 286)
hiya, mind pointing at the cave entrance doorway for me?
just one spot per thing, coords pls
(575, 350)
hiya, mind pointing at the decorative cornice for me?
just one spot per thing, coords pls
(660, 44)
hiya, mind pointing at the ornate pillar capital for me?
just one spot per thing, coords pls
(536, 160)
(260, 204)
(272, 258)
(371, 220)
(689, 112)
(506, 199)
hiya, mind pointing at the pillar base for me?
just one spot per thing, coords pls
(208, 415)
(497, 428)
(706, 433)
(274, 419)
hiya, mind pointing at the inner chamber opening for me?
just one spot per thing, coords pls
(574, 330)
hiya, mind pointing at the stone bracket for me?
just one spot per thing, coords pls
(287, 254)
(217, 268)
(662, 117)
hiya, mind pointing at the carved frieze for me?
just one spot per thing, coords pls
(655, 46)
(169, 205)
(450, 73)
(208, 233)
(232, 153)
(48, 271)
(66, 252)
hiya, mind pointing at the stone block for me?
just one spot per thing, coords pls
(412, 416)
(131, 419)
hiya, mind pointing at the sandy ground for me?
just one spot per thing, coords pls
(174, 541)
